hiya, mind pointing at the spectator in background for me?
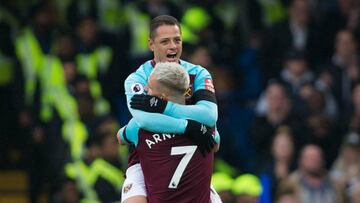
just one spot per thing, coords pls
(94, 59)
(281, 163)
(79, 9)
(277, 109)
(318, 101)
(321, 119)
(342, 14)
(108, 191)
(311, 182)
(346, 169)
(97, 179)
(342, 69)
(222, 183)
(68, 193)
(295, 72)
(323, 133)
(296, 31)
(247, 188)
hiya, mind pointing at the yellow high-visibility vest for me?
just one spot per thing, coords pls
(139, 27)
(111, 14)
(273, 11)
(90, 65)
(87, 175)
(6, 70)
(29, 53)
(76, 134)
(55, 94)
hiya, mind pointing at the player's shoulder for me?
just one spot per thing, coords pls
(192, 68)
(142, 72)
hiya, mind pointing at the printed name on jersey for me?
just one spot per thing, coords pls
(209, 85)
(127, 187)
(137, 88)
(156, 138)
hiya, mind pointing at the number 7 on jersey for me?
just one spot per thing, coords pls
(189, 152)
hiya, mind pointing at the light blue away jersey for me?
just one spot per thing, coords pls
(201, 101)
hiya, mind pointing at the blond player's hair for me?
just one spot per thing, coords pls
(173, 76)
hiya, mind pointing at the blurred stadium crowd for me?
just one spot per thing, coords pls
(286, 74)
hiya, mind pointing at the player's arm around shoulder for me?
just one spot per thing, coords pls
(204, 108)
(135, 84)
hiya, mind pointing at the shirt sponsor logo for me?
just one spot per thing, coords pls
(209, 85)
(137, 88)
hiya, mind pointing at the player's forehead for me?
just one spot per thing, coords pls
(167, 32)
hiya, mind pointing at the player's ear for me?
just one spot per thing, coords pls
(164, 96)
(151, 44)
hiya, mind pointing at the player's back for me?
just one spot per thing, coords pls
(174, 169)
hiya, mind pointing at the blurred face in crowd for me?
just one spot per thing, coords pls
(66, 46)
(283, 146)
(314, 98)
(311, 160)
(276, 98)
(69, 71)
(345, 5)
(87, 30)
(46, 16)
(299, 12)
(351, 154)
(70, 193)
(296, 66)
(166, 43)
(345, 43)
(110, 147)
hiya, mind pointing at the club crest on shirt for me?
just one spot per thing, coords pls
(188, 93)
(137, 88)
(127, 188)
